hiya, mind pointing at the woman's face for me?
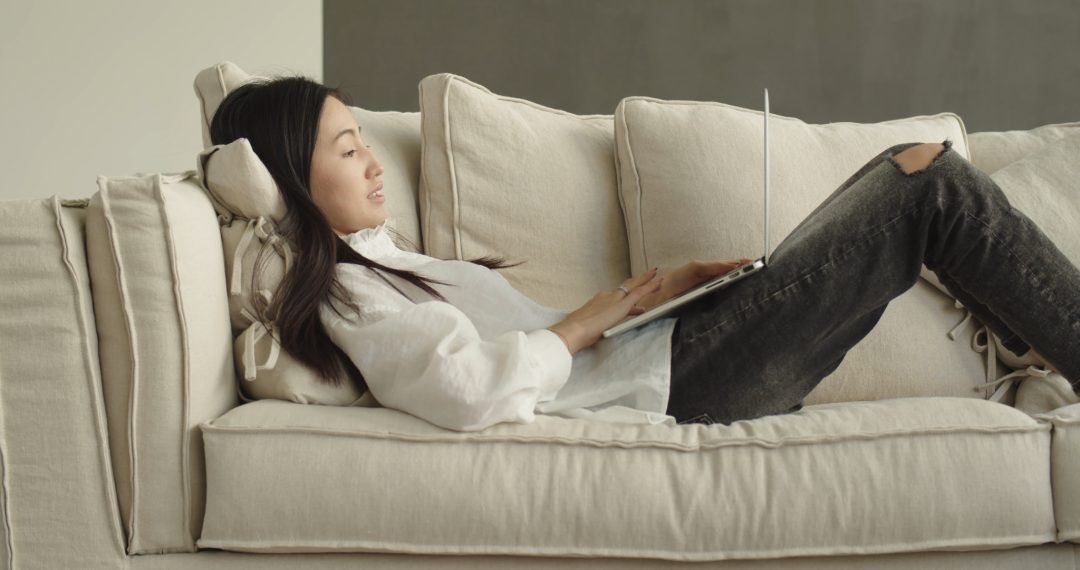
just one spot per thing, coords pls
(343, 173)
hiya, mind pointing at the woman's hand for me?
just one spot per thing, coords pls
(686, 277)
(585, 326)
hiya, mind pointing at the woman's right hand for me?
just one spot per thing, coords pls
(585, 326)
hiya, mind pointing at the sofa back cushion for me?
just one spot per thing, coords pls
(691, 182)
(158, 280)
(502, 176)
(991, 150)
(394, 137)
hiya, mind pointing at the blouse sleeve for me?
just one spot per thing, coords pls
(428, 360)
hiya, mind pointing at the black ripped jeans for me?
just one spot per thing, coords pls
(761, 345)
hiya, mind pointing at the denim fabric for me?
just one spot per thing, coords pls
(761, 345)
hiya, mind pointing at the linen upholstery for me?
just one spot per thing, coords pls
(504, 176)
(1044, 392)
(1065, 464)
(58, 504)
(162, 321)
(690, 180)
(992, 150)
(52, 418)
(250, 210)
(891, 476)
(1045, 557)
(394, 137)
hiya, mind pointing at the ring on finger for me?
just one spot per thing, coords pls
(624, 289)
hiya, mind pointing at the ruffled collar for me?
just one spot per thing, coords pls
(372, 241)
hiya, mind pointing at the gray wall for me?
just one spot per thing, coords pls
(999, 64)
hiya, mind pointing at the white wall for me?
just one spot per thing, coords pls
(105, 87)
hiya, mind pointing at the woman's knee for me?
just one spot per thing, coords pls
(918, 157)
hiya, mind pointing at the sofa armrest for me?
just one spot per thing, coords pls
(58, 487)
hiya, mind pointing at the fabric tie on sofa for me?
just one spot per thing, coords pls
(257, 330)
(265, 230)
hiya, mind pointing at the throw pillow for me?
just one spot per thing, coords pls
(992, 150)
(690, 178)
(508, 177)
(250, 207)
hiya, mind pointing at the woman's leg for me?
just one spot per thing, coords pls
(760, 346)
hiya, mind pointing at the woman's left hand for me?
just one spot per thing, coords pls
(684, 278)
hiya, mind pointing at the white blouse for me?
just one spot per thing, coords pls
(485, 356)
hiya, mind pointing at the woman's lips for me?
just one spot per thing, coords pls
(377, 194)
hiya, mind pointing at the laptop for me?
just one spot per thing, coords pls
(717, 283)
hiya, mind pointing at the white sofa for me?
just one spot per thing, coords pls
(127, 439)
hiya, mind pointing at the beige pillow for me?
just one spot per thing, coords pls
(250, 207)
(992, 150)
(508, 177)
(394, 136)
(690, 178)
(1044, 186)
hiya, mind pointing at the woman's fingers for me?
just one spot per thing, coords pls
(639, 280)
(645, 288)
(722, 266)
(644, 277)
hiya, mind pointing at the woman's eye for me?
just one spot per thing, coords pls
(352, 152)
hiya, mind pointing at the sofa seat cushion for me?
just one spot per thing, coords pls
(899, 475)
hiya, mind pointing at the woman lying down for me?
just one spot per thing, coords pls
(453, 343)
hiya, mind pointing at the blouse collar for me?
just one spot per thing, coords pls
(372, 241)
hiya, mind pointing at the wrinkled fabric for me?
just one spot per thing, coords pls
(485, 355)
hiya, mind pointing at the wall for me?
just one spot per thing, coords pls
(999, 64)
(105, 87)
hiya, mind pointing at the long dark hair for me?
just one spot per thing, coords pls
(280, 118)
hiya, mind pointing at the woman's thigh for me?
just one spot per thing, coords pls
(761, 345)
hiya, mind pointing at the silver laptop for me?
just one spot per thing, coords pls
(716, 283)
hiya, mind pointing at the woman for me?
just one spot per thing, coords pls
(757, 348)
